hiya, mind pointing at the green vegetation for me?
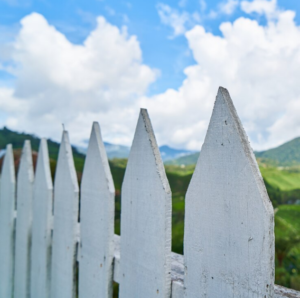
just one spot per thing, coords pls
(190, 159)
(17, 140)
(282, 179)
(287, 154)
(285, 179)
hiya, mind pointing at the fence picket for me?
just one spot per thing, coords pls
(41, 229)
(25, 181)
(96, 222)
(146, 219)
(229, 219)
(7, 223)
(65, 227)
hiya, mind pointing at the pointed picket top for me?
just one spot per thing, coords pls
(146, 219)
(65, 223)
(229, 219)
(41, 228)
(7, 215)
(23, 223)
(96, 221)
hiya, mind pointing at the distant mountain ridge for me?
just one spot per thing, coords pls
(121, 151)
(285, 155)
(17, 139)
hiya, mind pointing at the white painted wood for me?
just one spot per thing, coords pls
(177, 275)
(42, 223)
(7, 223)
(65, 223)
(116, 262)
(229, 219)
(24, 223)
(145, 219)
(96, 222)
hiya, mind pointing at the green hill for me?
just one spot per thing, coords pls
(190, 159)
(8, 136)
(288, 154)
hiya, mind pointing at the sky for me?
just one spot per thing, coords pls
(75, 62)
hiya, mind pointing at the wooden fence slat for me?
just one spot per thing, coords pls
(41, 229)
(7, 223)
(25, 181)
(65, 227)
(96, 222)
(229, 219)
(145, 219)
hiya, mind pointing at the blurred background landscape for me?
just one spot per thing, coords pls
(280, 168)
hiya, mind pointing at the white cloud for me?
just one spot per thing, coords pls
(60, 82)
(104, 79)
(260, 65)
(178, 21)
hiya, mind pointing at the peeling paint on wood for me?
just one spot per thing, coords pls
(229, 219)
(145, 219)
(42, 224)
(96, 222)
(24, 223)
(7, 223)
(65, 229)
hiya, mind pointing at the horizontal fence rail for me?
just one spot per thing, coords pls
(52, 247)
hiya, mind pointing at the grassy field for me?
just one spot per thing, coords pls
(285, 179)
(287, 217)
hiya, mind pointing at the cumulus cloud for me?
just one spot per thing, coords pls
(105, 79)
(260, 65)
(74, 84)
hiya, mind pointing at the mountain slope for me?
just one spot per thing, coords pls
(287, 154)
(120, 151)
(168, 153)
(8, 136)
(189, 159)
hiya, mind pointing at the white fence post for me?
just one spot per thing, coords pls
(41, 229)
(96, 222)
(7, 223)
(25, 181)
(65, 226)
(229, 219)
(145, 219)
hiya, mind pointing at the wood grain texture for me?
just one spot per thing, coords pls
(25, 181)
(229, 219)
(65, 227)
(7, 223)
(177, 275)
(41, 229)
(145, 219)
(96, 222)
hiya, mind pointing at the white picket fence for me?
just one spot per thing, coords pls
(229, 222)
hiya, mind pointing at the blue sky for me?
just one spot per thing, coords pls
(160, 50)
(166, 52)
